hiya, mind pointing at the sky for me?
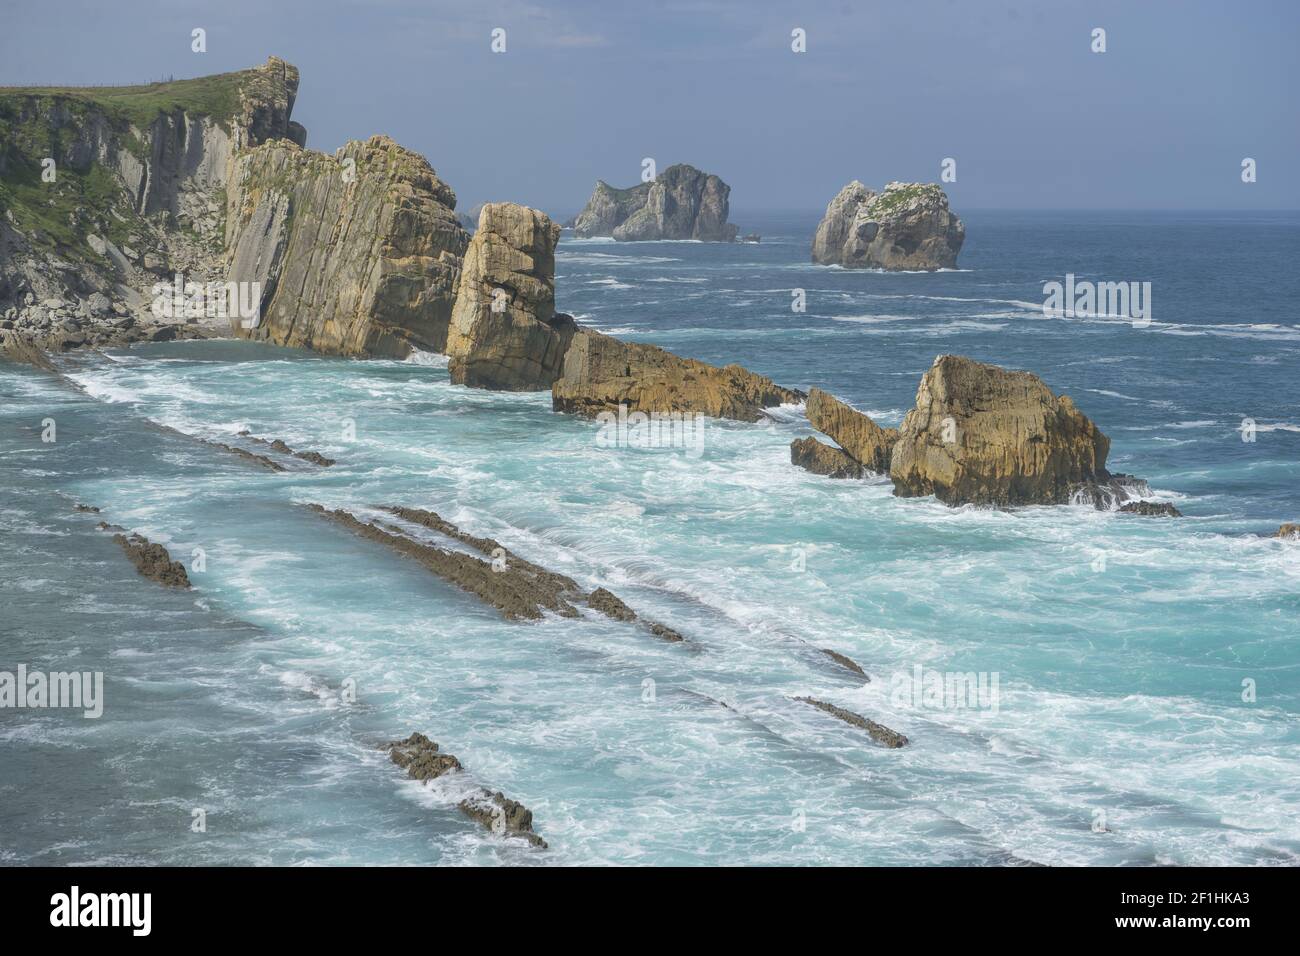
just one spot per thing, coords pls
(1010, 89)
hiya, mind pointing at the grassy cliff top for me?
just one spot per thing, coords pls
(216, 96)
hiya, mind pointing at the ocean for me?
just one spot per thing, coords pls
(1141, 676)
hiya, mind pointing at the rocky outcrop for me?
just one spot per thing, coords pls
(282, 447)
(984, 435)
(602, 374)
(1151, 509)
(153, 561)
(608, 208)
(139, 194)
(356, 253)
(822, 459)
(878, 732)
(518, 588)
(422, 760)
(906, 227)
(1288, 530)
(863, 440)
(504, 331)
(682, 202)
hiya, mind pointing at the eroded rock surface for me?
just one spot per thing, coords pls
(823, 459)
(908, 226)
(153, 561)
(422, 760)
(602, 373)
(981, 434)
(356, 253)
(864, 441)
(504, 332)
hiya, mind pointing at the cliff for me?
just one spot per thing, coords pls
(104, 190)
(682, 202)
(358, 252)
(906, 227)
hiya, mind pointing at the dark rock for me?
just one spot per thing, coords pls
(420, 758)
(844, 661)
(610, 605)
(1154, 509)
(879, 732)
(153, 561)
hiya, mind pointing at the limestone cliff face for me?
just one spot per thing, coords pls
(358, 252)
(984, 435)
(906, 227)
(602, 373)
(681, 203)
(504, 332)
(139, 192)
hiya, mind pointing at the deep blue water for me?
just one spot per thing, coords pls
(1120, 644)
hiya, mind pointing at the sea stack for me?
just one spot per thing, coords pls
(907, 227)
(682, 202)
(505, 332)
(980, 434)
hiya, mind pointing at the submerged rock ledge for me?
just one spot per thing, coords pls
(422, 760)
(519, 589)
(879, 732)
(153, 561)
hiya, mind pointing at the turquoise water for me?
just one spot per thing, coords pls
(1120, 683)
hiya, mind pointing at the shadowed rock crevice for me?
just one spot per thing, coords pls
(879, 732)
(422, 760)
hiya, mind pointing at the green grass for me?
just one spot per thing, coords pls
(216, 96)
(889, 201)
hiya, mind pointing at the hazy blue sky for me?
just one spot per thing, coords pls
(885, 91)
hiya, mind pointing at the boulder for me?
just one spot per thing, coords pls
(906, 227)
(822, 459)
(504, 331)
(602, 374)
(863, 440)
(981, 434)
(1288, 530)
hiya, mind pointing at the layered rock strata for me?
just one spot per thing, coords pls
(504, 331)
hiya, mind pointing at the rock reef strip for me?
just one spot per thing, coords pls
(879, 733)
(518, 588)
(422, 760)
(277, 445)
(153, 561)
